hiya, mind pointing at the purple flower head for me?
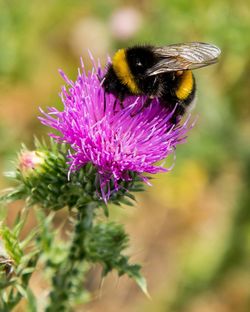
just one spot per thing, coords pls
(115, 140)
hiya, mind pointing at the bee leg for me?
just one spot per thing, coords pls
(178, 113)
(147, 102)
(145, 105)
(121, 104)
(120, 98)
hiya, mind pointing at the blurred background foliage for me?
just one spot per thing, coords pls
(191, 230)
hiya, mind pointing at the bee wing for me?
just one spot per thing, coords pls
(183, 56)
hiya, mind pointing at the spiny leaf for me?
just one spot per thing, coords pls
(142, 283)
(11, 244)
(21, 290)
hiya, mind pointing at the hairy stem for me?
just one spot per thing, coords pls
(63, 287)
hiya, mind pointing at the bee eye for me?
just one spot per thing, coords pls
(139, 67)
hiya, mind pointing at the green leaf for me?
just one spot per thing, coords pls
(33, 233)
(28, 271)
(31, 299)
(127, 202)
(11, 244)
(21, 290)
(10, 174)
(5, 284)
(142, 283)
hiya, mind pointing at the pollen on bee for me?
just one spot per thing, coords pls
(179, 72)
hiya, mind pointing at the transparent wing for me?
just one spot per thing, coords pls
(183, 56)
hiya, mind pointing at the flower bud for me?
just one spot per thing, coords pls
(30, 161)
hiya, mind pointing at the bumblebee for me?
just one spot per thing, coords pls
(159, 72)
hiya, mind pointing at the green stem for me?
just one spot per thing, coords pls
(63, 289)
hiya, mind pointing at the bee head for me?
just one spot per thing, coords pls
(140, 59)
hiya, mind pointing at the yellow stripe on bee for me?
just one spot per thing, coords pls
(186, 85)
(122, 71)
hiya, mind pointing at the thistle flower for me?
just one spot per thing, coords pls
(115, 140)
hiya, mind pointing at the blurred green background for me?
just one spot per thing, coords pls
(191, 230)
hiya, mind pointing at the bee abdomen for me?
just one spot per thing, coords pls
(186, 85)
